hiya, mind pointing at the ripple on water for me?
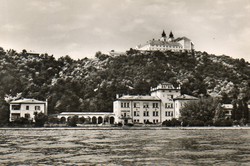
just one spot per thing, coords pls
(124, 147)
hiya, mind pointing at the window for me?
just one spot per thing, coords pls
(27, 116)
(125, 104)
(37, 107)
(170, 96)
(137, 105)
(27, 107)
(169, 105)
(16, 107)
(155, 113)
(169, 113)
(136, 121)
(155, 105)
(124, 114)
(145, 105)
(136, 113)
(15, 116)
(145, 113)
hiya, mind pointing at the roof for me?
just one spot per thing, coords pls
(27, 101)
(165, 86)
(181, 38)
(185, 97)
(139, 98)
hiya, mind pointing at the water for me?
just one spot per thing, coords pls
(124, 147)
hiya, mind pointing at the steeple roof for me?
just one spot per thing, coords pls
(171, 35)
(163, 34)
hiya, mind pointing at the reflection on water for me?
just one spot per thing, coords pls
(124, 147)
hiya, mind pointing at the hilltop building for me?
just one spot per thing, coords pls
(27, 108)
(167, 43)
(164, 103)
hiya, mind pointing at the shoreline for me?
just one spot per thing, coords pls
(125, 128)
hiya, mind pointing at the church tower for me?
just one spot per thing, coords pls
(171, 36)
(163, 36)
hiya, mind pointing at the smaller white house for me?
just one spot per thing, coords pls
(27, 108)
(228, 109)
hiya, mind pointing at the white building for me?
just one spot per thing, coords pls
(27, 108)
(180, 101)
(164, 103)
(167, 43)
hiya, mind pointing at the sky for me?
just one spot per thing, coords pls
(80, 28)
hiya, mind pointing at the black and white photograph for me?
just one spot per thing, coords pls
(124, 82)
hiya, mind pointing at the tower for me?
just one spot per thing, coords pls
(163, 36)
(171, 36)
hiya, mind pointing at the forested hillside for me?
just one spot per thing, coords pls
(92, 84)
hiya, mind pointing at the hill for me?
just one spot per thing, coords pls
(92, 84)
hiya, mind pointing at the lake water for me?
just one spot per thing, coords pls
(124, 147)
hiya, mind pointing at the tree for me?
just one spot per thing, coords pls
(73, 121)
(4, 112)
(219, 114)
(40, 119)
(202, 110)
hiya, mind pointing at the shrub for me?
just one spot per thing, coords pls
(21, 121)
(175, 122)
(53, 120)
(72, 121)
(166, 123)
(196, 123)
(209, 123)
(81, 120)
(148, 122)
(40, 119)
(223, 122)
(171, 123)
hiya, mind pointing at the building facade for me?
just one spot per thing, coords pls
(89, 117)
(167, 43)
(164, 103)
(27, 108)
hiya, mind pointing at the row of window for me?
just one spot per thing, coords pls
(164, 46)
(18, 107)
(146, 105)
(15, 116)
(137, 105)
(169, 113)
(36, 108)
(146, 121)
(155, 113)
